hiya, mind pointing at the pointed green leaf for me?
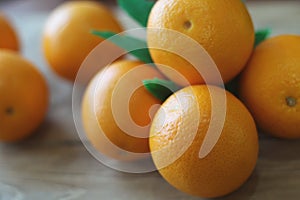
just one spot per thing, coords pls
(136, 47)
(261, 35)
(161, 89)
(139, 10)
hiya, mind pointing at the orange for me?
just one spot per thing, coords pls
(67, 37)
(270, 86)
(24, 97)
(108, 98)
(230, 162)
(9, 38)
(224, 29)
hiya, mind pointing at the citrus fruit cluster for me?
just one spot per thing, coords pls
(269, 86)
(186, 146)
(66, 42)
(202, 138)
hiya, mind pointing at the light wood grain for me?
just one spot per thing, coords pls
(54, 164)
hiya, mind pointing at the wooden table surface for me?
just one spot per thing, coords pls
(53, 164)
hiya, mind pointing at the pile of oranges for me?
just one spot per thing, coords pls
(203, 139)
(66, 42)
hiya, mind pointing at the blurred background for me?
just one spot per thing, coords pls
(46, 4)
(40, 5)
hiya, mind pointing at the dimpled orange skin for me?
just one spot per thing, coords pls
(67, 37)
(270, 78)
(224, 28)
(100, 112)
(9, 38)
(24, 97)
(226, 167)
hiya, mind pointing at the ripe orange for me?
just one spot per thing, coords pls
(67, 38)
(9, 38)
(230, 162)
(24, 97)
(105, 107)
(270, 86)
(224, 28)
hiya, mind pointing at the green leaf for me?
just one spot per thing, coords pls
(261, 35)
(139, 10)
(161, 89)
(136, 47)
